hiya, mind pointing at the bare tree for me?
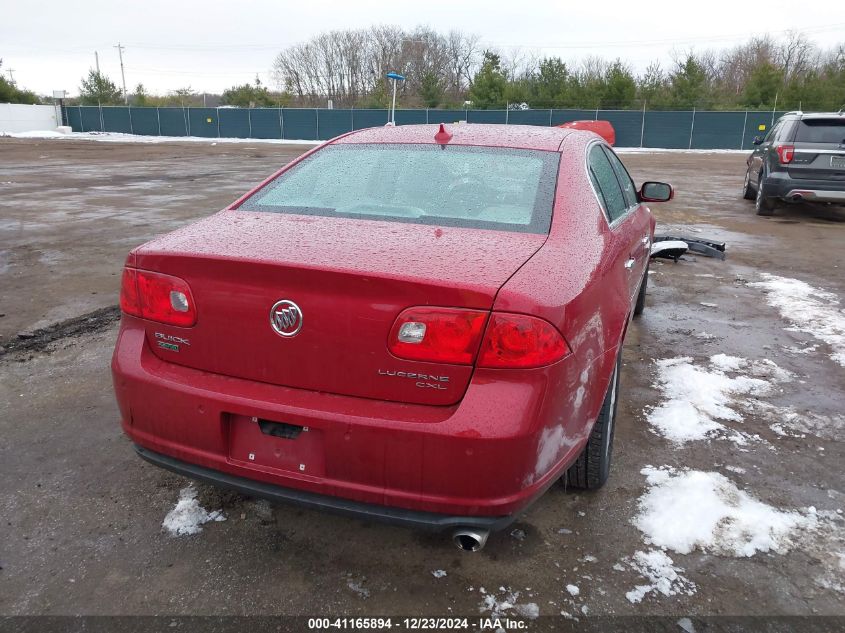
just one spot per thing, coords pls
(796, 55)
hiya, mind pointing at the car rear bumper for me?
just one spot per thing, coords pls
(815, 195)
(336, 505)
(487, 457)
(800, 190)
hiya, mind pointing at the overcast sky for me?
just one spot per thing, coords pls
(212, 45)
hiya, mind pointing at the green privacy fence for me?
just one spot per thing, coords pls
(650, 128)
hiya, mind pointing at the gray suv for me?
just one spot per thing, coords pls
(801, 159)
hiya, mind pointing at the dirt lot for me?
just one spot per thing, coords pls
(81, 529)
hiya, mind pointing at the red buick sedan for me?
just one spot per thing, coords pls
(414, 324)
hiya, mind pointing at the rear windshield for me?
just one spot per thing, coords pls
(821, 131)
(463, 186)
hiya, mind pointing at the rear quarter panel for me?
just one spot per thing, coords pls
(574, 281)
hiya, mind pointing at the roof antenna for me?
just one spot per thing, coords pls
(442, 135)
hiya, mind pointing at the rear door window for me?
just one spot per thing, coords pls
(606, 183)
(821, 131)
(787, 131)
(771, 135)
(628, 188)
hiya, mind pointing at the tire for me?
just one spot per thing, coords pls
(747, 190)
(763, 204)
(639, 306)
(592, 468)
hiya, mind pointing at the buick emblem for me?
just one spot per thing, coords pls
(286, 318)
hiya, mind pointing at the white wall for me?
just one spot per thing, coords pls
(19, 117)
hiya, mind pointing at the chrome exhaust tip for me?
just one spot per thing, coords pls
(470, 539)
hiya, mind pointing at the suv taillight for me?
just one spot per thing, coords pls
(453, 335)
(157, 297)
(785, 153)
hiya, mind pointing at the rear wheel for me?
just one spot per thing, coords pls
(747, 190)
(764, 205)
(591, 469)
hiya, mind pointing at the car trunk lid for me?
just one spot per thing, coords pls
(349, 277)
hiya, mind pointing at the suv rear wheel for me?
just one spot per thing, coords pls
(764, 205)
(747, 189)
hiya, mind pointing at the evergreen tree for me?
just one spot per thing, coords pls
(653, 86)
(97, 89)
(431, 90)
(549, 85)
(141, 98)
(620, 89)
(248, 96)
(489, 84)
(763, 87)
(688, 84)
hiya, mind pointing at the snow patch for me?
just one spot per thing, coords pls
(691, 509)
(505, 602)
(573, 590)
(789, 422)
(438, 573)
(358, 587)
(808, 309)
(699, 399)
(188, 516)
(662, 575)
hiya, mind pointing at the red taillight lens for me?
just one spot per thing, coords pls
(437, 335)
(520, 341)
(157, 297)
(785, 153)
(130, 302)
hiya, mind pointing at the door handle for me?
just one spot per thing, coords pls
(629, 264)
(646, 239)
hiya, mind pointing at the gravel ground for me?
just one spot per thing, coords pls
(81, 516)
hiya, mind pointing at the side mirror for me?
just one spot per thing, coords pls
(656, 192)
(758, 140)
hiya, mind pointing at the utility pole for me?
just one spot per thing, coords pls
(97, 61)
(11, 76)
(122, 74)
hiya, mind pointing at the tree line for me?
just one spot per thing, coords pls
(10, 93)
(454, 70)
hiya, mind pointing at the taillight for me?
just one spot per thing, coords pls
(157, 297)
(130, 302)
(520, 341)
(453, 335)
(785, 153)
(437, 335)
